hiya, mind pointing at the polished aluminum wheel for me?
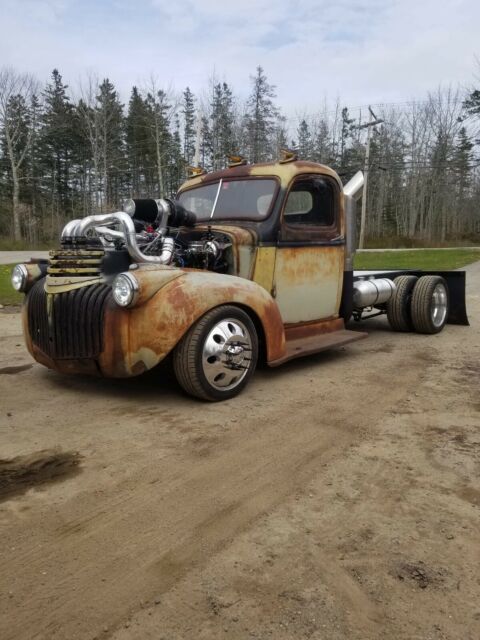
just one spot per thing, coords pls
(226, 354)
(439, 304)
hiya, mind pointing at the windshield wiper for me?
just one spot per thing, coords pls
(216, 198)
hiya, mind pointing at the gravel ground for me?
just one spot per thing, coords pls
(337, 497)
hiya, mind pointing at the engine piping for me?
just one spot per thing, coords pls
(79, 228)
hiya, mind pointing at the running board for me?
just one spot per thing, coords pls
(314, 344)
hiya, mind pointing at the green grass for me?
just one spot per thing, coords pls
(434, 259)
(6, 244)
(7, 294)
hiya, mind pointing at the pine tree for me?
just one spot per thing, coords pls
(345, 136)
(305, 143)
(109, 113)
(57, 144)
(472, 103)
(139, 147)
(322, 144)
(222, 125)
(188, 110)
(462, 159)
(260, 118)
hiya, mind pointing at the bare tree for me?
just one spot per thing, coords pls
(16, 93)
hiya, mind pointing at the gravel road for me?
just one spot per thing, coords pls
(12, 257)
(337, 497)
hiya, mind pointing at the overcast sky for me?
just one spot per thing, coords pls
(367, 51)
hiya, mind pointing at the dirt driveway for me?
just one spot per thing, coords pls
(338, 497)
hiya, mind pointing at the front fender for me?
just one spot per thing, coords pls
(145, 334)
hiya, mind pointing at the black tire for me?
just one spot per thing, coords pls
(189, 355)
(430, 304)
(399, 305)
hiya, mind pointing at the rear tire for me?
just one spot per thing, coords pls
(399, 305)
(430, 304)
(218, 355)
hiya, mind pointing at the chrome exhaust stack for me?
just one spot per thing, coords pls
(352, 192)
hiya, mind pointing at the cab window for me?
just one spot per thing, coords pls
(310, 212)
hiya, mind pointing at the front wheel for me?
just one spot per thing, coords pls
(218, 355)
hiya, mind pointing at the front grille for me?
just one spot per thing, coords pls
(76, 262)
(74, 326)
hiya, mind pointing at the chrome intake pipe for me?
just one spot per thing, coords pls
(79, 229)
(107, 233)
(69, 228)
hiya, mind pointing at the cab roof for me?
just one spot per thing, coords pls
(284, 171)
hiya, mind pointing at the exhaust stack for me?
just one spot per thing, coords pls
(352, 192)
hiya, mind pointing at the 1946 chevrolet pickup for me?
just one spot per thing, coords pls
(252, 262)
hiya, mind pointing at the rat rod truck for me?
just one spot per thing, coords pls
(252, 262)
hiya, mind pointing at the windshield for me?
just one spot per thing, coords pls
(231, 199)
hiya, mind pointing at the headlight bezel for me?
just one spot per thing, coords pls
(132, 283)
(22, 269)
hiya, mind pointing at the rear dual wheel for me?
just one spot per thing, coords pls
(218, 355)
(430, 304)
(419, 304)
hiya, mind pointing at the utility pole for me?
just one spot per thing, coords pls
(363, 218)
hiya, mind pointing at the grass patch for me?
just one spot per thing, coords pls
(7, 244)
(433, 259)
(7, 294)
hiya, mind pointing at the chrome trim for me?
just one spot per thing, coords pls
(135, 287)
(354, 187)
(439, 305)
(23, 284)
(128, 234)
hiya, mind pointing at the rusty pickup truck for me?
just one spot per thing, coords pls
(254, 262)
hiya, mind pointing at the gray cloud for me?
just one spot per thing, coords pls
(363, 51)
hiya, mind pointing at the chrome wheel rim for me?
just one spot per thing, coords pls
(227, 354)
(439, 305)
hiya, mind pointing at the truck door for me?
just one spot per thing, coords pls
(310, 252)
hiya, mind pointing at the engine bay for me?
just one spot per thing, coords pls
(152, 231)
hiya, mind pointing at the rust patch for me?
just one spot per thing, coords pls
(265, 267)
(308, 282)
(21, 473)
(310, 329)
(304, 264)
(161, 322)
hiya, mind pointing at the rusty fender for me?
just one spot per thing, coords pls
(137, 339)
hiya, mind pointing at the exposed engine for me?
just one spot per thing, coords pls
(151, 231)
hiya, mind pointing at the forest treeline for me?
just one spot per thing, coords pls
(64, 157)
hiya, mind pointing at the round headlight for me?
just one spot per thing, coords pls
(19, 277)
(125, 290)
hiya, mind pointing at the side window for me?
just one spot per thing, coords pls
(310, 210)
